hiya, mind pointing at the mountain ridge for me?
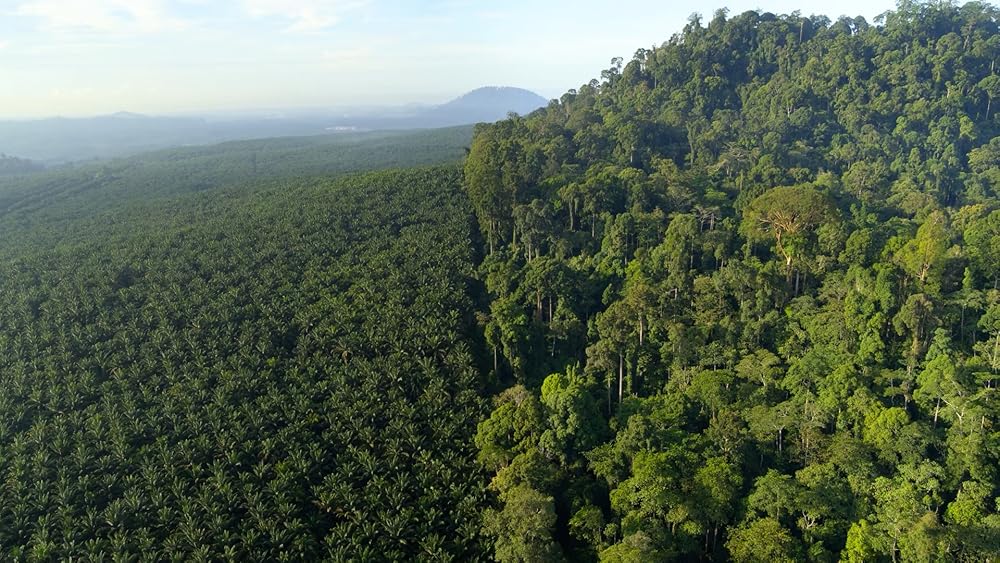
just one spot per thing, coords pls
(60, 139)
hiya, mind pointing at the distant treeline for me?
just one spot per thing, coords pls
(15, 165)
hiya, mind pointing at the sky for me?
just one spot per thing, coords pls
(92, 57)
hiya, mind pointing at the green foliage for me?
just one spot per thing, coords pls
(279, 371)
(517, 420)
(63, 198)
(741, 291)
(575, 423)
(776, 245)
(787, 215)
(923, 256)
(523, 529)
(763, 540)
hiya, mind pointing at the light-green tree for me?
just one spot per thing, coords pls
(788, 216)
(522, 530)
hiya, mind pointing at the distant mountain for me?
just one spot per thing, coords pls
(487, 104)
(490, 103)
(58, 140)
(128, 115)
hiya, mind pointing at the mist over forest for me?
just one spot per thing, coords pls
(56, 141)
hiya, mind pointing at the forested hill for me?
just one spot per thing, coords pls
(744, 297)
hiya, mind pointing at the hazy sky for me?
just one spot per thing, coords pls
(85, 57)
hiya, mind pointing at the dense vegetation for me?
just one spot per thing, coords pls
(740, 302)
(78, 191)
(744, 297)
(276, 371)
